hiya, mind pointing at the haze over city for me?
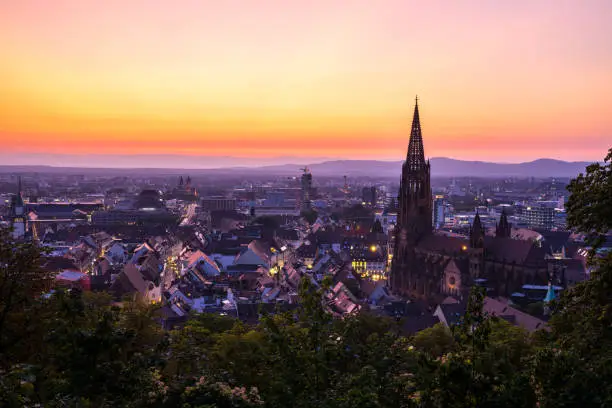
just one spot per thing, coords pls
(305, 80)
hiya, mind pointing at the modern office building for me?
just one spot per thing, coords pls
(218, 204)
(538, 215)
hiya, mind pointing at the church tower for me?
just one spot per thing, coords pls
(17, 214)
(504, 228)
(414, 198)
(476, 250)
(414, 218)
(477, 233)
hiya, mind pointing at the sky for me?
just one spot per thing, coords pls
(497, 80)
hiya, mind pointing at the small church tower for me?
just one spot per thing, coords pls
(476, 250)
(477, 233)
(17, 214)
(504, 228)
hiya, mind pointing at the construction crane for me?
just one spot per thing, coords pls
(346, 189)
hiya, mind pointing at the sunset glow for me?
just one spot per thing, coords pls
(497, 80)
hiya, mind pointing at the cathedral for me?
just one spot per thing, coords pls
(431, 266)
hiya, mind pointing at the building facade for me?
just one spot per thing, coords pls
(218, 204)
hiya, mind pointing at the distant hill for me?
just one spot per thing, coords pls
(440, 167)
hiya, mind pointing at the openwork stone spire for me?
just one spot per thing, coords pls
(415, 158)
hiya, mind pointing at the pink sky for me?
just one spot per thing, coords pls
(497, 80)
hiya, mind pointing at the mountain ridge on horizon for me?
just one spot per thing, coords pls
(441, 167)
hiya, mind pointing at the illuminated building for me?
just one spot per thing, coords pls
(439, 211)
(368, 256)
(539, 215)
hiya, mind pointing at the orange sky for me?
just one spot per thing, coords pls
(506, 81)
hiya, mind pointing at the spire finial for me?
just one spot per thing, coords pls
(416, 100)
(415, 157)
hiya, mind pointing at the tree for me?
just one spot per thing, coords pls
(589, 207)
(99, 354)
(575, 370)
(436, 341)
(218, 395)
(22, 282)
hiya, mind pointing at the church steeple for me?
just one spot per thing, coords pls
(415, 157)
(477, 233)
(414, 212)
(414, 199)
(503, 229)
(17, 214)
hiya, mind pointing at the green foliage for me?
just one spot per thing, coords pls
(219, 395)
(22, 282)
(576, 367)
(435, 341)
(589, 207)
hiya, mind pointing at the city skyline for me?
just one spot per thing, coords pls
(506, 83)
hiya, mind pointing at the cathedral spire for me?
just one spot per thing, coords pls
(477, 233)
(415, 158)
(414, 214)
(503, 229)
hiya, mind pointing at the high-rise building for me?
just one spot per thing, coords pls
(306, 199)
(439, 211)
(539, 215)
